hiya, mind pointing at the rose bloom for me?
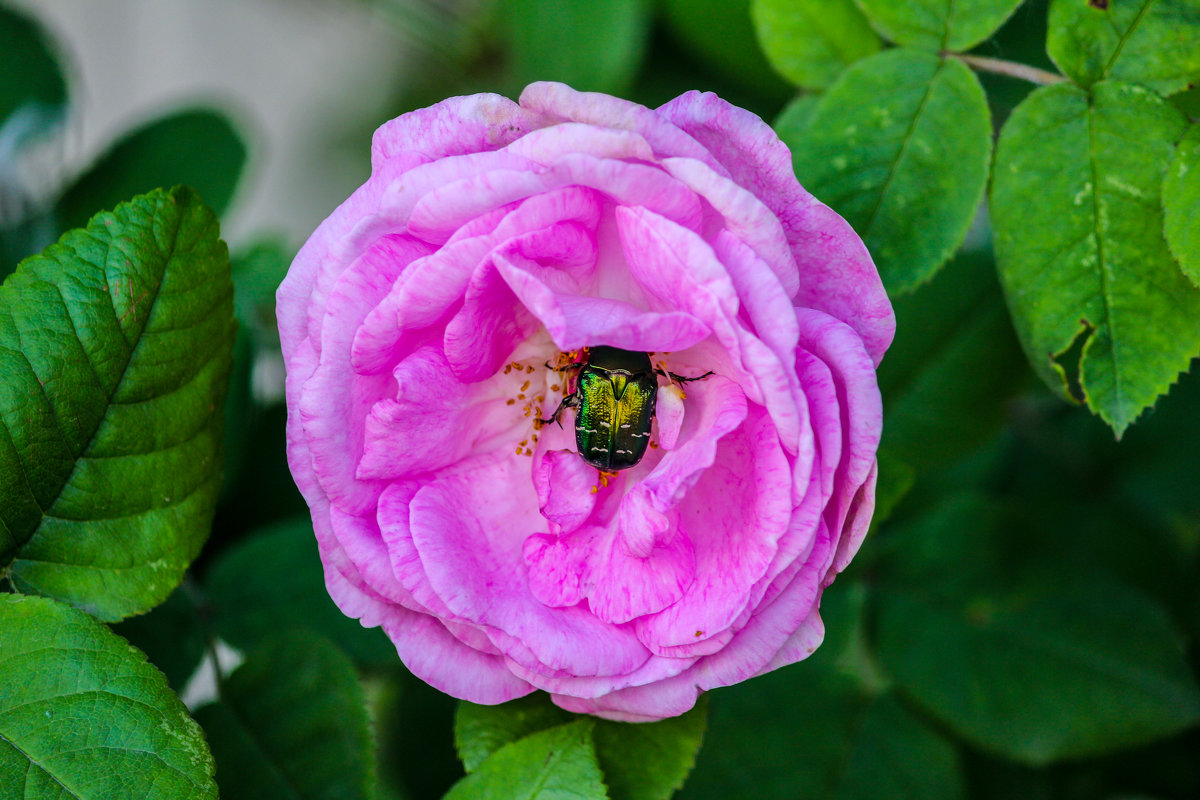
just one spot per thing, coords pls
(427, 325)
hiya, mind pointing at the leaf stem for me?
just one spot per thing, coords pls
(1010, 68)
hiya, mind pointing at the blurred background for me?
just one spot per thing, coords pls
(1021, 626)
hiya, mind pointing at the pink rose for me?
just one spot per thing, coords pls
(417, 325)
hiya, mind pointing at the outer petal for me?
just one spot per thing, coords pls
(836, 274)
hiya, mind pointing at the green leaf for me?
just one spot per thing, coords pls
(170, 635)
(810, 42)
(953, 366)
(292, 724)
(1181, 205)
(479, 731)
(415, 726)
(1028, 657)
(899, 146)
(807, 732)
(558, 763)
(1155, 43)
(939, 25)
(794, 118)
(650, 760)
(30, 76)
(196, 147)
(642, 761)
(115, 350)
(593, 46)
(272, 581)
(83, 715)
(1086, 266)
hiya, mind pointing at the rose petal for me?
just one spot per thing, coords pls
(836, 274)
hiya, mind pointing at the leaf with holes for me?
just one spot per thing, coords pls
(810, 42)
(82, 715)
(115, 351)
(1155, 43)
(1181, 205)
(938, 25)
(1086, 266)
(900, 146)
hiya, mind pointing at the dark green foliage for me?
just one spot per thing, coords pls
(197, 147)
(115, 347)
(900, 146)
(292, 723)
(82, 714)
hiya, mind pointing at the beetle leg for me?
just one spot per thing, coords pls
(570, 401)
(681, 379)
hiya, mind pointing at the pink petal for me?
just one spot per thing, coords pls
(459, 125)
(835, 271)
(469, 525)
(558, 101)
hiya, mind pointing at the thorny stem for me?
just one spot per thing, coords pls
(1009, 68)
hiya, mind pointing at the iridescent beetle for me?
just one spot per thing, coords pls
(615, 392)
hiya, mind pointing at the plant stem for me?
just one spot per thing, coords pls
(1010, 68)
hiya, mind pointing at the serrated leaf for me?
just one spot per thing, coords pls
(650, 760)
(83, 715)
(271, 582)
(938, 25)
(558, 763)
(1155, 43)
(899, 146)
(1023, 655)
(810, 42)
(594, 46)
(292, 724)
(641, 761)
(479, 731)
(115, 352)
(809, 733)
(1087, 261)
(1181, 204)
(195, 147)
(953, 366)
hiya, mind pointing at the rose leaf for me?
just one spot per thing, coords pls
(794, 117)
(272, 581)
(557, 763)
(650, 760)
(1155, 43)
(115, 351)
(197, 147)
(1025, 655)
(937, 25)
(292, 723)
(899, 146)
(810, 42)
(83, 715)
(1095, 295)
(953, 366)
(1181, 205)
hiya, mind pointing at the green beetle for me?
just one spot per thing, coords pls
(615, 392)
